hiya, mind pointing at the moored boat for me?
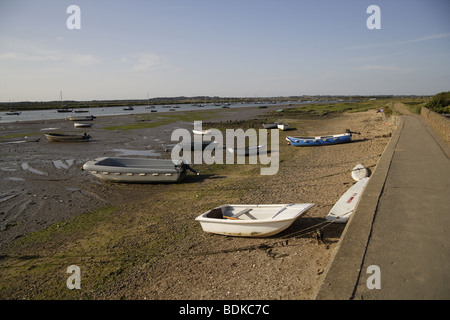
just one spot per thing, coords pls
(59, 137)
(13, 113)
(251, 220)
(81, 118)
(138, 170)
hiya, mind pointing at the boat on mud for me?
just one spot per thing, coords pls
(81, 118)
(59, 137)
(82, 125)
(251, 220)
(138, 170)
(320, 140)
(248, 151)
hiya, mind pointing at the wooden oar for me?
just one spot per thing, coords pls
(235, 217)
(231, 218)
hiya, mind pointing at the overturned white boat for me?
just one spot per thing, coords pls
(251, 220)
(283, 126)
(202, 132)
(82, 125)
(138, 170)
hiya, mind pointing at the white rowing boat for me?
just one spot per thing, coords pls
(283, 126)
(248, 151)
(201, 132)
(82, 125)
(251, 220)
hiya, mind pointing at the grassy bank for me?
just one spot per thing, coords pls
(153, 120)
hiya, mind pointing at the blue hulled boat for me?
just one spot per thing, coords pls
(320, 140)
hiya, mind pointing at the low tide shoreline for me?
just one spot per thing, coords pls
(141, 241)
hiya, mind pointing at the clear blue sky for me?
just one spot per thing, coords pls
(126, 49)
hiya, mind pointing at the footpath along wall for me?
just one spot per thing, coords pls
(439, 122)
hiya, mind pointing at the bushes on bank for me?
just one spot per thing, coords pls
(440, 103)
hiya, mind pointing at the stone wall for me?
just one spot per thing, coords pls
(439, 122)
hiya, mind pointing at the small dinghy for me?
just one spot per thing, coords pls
(248, 151)
(59, 137)
(251, 220)
(194, 146)
(64, 110)
(13, 113)
(320, 140)
(345, 206)
(81, 118)
(359, 172)
(82, 125)
(138, 170)
(275, 125)
(270, 125)
(283, 126)
(202, 132)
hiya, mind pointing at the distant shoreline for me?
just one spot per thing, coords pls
(74, 104)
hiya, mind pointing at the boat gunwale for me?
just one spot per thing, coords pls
(319, 137)
(61, 137)
(204, 218)
(93, 165)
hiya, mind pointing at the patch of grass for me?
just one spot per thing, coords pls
(314, 110)
(415, 105)
(153, 121)
(19, 135)
(66, 228)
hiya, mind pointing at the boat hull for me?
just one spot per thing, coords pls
(82, 118)
(248, 151)
(82, 125)
(261, 221)
(136, 170)
(319, 141)
(56, 137)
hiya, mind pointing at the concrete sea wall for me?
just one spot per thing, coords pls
(439, 122)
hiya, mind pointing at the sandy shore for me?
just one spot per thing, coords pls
(153, 225)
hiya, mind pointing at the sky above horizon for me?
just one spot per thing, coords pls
(229, 48)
